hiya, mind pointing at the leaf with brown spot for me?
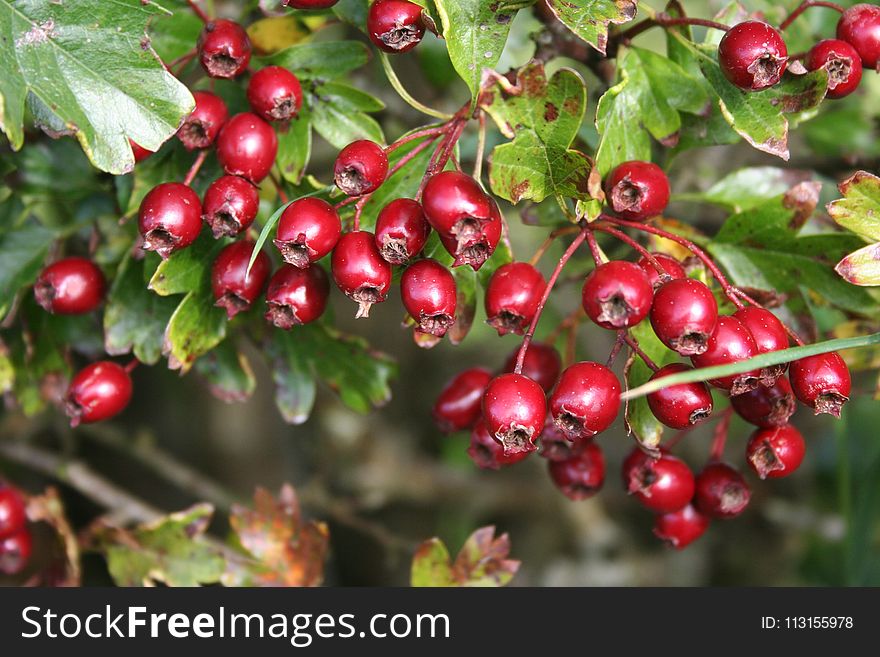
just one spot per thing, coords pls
(482, 562)
(802, 199)
(49, 508)
(589, 19)
(861, 267)
(859, 210)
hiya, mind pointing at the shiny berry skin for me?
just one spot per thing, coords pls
(680, 528)
(582, 475)
(429, 294)
(769, 335)
(395, 26)
(70, 286)
(201, 127)
(230, 206)
(275, 93)
(752, 55)
(663, 485)
(234, 288)
(309, 4)
(683, 405)
(15, 552)
(224, 49)
(361, 168)
(97, 392)
(821, 382)
(359, 270)
(458, 404)
(775, 453)
(12, 512)
(307, 231)
(401, 230)
(672, 267)
(586, 400)
(859, 26)
(487, 453)
(730, 342)
(247, 147)
(140, 153)
(297, 296)
(637, 190)
(170, 218)
(542, 364)
(617, 295)
(512, 297)
(721, 491)
(683, 315)
(514, 409)
(556, 446)
(842, 62)
(766, 406)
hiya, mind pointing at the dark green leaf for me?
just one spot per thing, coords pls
(22, 252)
(228, 373)
(589, 19)
(320, 59)
(196, 327)
(295, 385)
(466, 303)
(338, 114)
(295, 147)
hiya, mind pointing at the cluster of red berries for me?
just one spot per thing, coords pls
(15, 537)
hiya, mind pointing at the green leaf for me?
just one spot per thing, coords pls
(859, 209)
(751, 186)
(188, 269)
(22, 252)
(589, 19)
(862, 267)
(295, 147)
(93, 65)
(353, 12)
(321, 60)
(481, 562)
(295, 383)
(647, 429)
(466, 303)
(174, 36)
(228, 372)
(196, 327)
(338, 114)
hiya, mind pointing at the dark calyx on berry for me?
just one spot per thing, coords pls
(637, 190)
(515, 409)
(296, 296)
(235, 289)
(487, 453)
(275, 93)
(752, 55)
(361, 168)
(224, 49)
(230, 206)
(776, 452)
(842, 62)
(360, 271)
(429, 294)
(97, 392)
(683, 315)
(822, 382)
(730, 342)
(721, 491)
(170, 218)
(586, 400)
(766, 406)
(201, 127)
(680, 406)
(512, 297)
(70, 286)
(395, 26)
(308, 230)
(617, 295)
(401, 230)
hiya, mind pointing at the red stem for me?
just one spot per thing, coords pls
(436, 131)
(806, 4)
(280, 189)
(634, 345)
(665, 20)
(626, 239)
(595, 251)
(134, 362)
(194, 169)
(615, 350)
(720, 436)
(198, 11)
(181, 61)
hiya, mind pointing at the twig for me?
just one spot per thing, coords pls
(806, 4)
(194, 169)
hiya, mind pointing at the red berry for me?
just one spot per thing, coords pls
(821, 382)
(582, 475)
(12, 512)
(843, 63)
(859, 26)
(458, 404)
(542, 364)
(514, 409)
(586, 400)
(752, 55)
(637, 190)
(556, 446)
(307, 231)
(765, 406)
(617, 295)
(664, 485)
(359, 270)
(309, 4)
(487, 453)
(224, 49)
(769, 335)
(170, 218)
(429, 295)
(401, 230)
(230, 206)
(234, 288)
(775, 453)
(683, 315)
(395, 25)
(297, 296)
(512, 297)
(15, 552)
(361, 168)
(140, 153)
(97, 392)
(672, 267)
(680, 528)
(730, 342)
(201, 127)
(683, 405)
(275, 93)
(247, 147)
(721, 491)
(70, 286)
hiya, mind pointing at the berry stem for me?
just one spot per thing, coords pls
(182, 61)
(194, 169)
(626, 239)
(634, 345)
(720, 435)
(198, 11)
(806, 4)
(481, 147)
(434, 131)
(595, 251)
(791, 332)
(559, 232)
(665, 20)
(280, 189)
(134, 362)
(615, 350)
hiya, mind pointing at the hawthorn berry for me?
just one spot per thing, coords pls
(512, 297)
(474, 248)
(308, 230)
(556, 446)
(680, 528)
(395, 26)
(542, 364)
(97, 392)
(665, 484)
(458, 404)
(637, 190)
(769, 335)
(429, 294)
(170, 218)
(234, 288)
(843, 63)
(617, 295)
(309, 4)
(201, 127)
(230, 206)
(401, 230)
(859, 26)
(776, 452)
(766, 406)
(487, 453)
(721, 491)
(514, 409)
(359, 271)
(247, 147)
(752, 55)
(297, 295)
(672, 268)
(139, 152)
(586, 400)
(224, 49)
(582, 475)
(12, 511)
(684, 314)
(15, 552)
(361, 168)
(70, 286)
(821, 382)
(683, 405)
(275, 93)
(730, 342)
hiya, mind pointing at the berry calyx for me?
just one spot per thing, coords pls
(170, 218)
(458, 404)
(721, 491)
(15, 552)
(821, 382)
(429, 294)
(730, 342)
(859, 26)
(361, 168)
(230, 206)
(512, 297)
(307, 231)
(97, 392)
(680, 528)
(617, 295)
(234, 288)
(224, 49)
(487, 453)
(309, 4)
(514, 409)
(201, 127)
(70, 286)
(401, 230)
(769, 335)
(247, 147)
(766, 406)
(275, 94)
(683, 405)
(395, 26)
(684, 314)
(775, 453)
(843, 63)
(637, 190)
(672, 268)
(664, 485)
(582, 475)
(586, 400)
(542, 364)
(359, 271)
(12, 512)
(297, 295)
(752, 55)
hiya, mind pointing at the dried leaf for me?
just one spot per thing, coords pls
(482, 561)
